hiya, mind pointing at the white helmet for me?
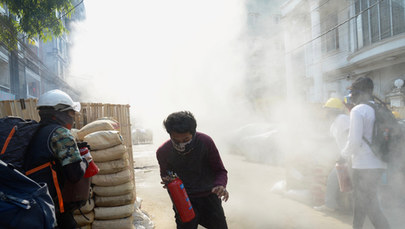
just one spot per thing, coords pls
(56, 97)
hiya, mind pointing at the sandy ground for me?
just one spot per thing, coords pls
(251, 204)
(155, 200)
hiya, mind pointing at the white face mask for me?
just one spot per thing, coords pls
(181, 147)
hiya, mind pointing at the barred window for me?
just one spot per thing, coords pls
(380, 20)
(4, 74)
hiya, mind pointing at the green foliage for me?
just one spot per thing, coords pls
(42, 18)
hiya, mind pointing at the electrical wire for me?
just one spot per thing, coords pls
(334, 27)
(74, 7)
(327, 15)
(318, 7)
(312, 26)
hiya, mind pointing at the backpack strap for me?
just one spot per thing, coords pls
(55, 181)
(368, 143)
(10, 135)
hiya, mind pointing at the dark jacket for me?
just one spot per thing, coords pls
(200, 170)
(40, 152)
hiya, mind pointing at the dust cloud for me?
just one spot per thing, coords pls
(161, 57)
(207, 57)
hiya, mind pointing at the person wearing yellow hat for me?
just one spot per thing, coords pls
(339, 129)
(397, 115)
(334, 103)
(340, 125)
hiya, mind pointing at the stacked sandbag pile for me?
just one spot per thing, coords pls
(114, 188)
(85, 216)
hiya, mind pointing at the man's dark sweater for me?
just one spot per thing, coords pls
(200, 170)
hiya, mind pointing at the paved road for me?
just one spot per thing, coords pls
(251, 204)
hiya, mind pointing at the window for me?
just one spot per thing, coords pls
(398, 16)
(330, 41)
(378, 20)
(4, 74)
(61, 70)
(328, 21)
(33, 89)
(33, 84)
(60, 46)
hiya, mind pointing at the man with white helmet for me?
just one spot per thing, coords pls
(54, 143)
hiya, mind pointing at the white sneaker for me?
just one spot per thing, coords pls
(324, 208)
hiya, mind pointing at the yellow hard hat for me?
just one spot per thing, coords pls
(334, 103)
(396, 114)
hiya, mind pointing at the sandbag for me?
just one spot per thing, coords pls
(114, 166)
(112, 121)
(74, 133)
(109, 154)
(86, 208)
(124, 223)
(112, 179)
(111, 201)
(103, 139)
(81, 220)
(88, 226)
(114, 212)
(114, 190)
(95, 126)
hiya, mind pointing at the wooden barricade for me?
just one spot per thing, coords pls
(26, 109)
(93, 111)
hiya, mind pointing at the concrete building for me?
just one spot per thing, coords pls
(37, 66)
(331, 43)
(265, 81)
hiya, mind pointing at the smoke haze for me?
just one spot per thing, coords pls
(163, 56)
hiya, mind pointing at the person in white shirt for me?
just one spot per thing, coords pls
(367, 168)
(339, 130)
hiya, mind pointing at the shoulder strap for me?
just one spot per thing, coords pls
(55, 181)
(10, 135)
(368, 143)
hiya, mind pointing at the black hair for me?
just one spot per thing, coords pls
(363, 85)
(362, 90)
(180, 122)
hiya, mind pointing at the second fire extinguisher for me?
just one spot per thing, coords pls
(180, 199)
(343, 175)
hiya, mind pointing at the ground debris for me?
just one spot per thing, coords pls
(141, 218)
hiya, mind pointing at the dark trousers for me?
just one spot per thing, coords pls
(366, 203)
(66, 220)
(209, 213)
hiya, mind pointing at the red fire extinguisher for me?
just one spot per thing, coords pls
(92, 169)
(180, 199)
(342, 170)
